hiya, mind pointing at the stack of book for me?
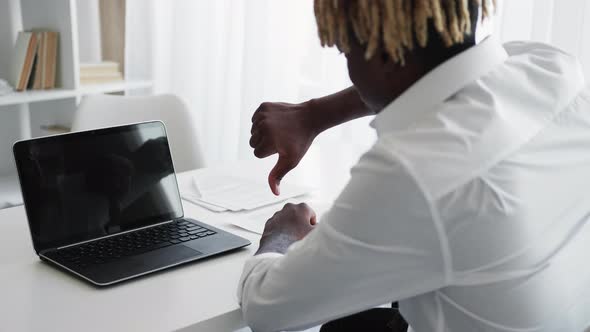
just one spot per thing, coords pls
(101, 72)
(35, 58)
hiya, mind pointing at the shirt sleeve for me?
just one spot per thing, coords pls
(379, 243)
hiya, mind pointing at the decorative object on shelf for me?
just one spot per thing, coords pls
(35, 59)
(101, 72)
(56, 129)
(5, 88)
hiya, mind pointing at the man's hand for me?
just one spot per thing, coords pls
(289, 225)
(286, 129)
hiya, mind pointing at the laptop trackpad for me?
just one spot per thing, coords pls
(142, 263)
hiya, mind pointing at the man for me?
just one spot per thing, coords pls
(471, 208)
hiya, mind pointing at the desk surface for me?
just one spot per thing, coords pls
(198, 297)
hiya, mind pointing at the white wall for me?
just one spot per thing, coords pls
(565, 24)
(89, 31)
(13, 119)
(10, 22)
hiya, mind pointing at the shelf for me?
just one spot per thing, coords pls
(32, 96)
(113, 87)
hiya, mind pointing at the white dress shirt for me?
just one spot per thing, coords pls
(471, 209)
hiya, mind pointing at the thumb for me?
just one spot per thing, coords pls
(313, 218)
(282, 167)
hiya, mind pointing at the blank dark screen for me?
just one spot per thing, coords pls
(86, 185)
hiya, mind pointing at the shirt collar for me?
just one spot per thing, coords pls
(439, 84)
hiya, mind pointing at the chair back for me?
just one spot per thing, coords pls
(98, 111)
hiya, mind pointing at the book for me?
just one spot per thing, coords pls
(37, 71)
(25, 51)
(101, 72)
(44, 60)
(49, 58)
(97, 79)
(92, 68)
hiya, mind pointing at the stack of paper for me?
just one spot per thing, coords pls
(225, 193)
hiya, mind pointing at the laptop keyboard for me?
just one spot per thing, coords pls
(133, 243)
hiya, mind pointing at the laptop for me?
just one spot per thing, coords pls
(104, 204)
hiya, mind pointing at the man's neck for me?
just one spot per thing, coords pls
(415, 68)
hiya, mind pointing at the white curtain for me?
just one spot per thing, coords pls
(225, 57)
(563, 23)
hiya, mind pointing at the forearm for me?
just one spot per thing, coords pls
(340, 107)
(304, 287)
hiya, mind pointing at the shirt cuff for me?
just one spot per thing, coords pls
(251, 264)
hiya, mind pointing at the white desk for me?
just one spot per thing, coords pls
(201, 296)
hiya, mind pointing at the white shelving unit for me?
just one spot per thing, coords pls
(25, 113)
(33, 96)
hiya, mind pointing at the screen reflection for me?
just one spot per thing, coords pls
(86, 185)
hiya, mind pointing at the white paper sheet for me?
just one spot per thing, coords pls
(226, 193)
(196, 199)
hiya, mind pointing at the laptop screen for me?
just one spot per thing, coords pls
(86, 185)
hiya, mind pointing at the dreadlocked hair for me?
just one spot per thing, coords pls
(396, 25)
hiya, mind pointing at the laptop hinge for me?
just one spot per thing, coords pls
(44, 251)
(112, 235)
